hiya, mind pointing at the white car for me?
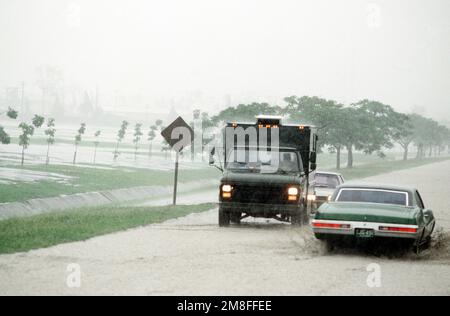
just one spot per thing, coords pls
(324, 184)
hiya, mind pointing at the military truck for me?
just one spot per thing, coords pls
(266, 167)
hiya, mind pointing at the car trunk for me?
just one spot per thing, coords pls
(367, 212)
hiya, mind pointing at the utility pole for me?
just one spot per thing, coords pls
(96, 97)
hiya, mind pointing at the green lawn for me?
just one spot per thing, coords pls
(90, 179)
(326, 160)
(373, 169)
(41, 231)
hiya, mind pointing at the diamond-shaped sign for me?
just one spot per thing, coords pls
(178, 134)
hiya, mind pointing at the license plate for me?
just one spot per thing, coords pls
(365, 233)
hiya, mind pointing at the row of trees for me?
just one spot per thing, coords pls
(26, 128)
(367, 126)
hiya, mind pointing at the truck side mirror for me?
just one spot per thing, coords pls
(313, 166)
(313, 157)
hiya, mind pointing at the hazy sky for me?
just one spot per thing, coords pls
(395, 51)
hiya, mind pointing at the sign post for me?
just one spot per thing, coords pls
(178, 135)
(175, 185)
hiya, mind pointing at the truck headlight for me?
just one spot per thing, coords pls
(226, 191)
(293, 193)
(227, 188)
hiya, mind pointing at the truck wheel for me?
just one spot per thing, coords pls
(235, 218)
(224, 218)
(297, 220)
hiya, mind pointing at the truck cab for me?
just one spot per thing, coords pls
(266, 171)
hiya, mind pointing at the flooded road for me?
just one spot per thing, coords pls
(193, 256)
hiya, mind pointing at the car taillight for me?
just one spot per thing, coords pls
(331, 225)
(398, 229)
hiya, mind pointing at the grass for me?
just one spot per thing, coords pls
(373, 169)
(41, 231)
(327, 160)
(90, 179)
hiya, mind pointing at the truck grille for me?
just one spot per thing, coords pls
(260, 194)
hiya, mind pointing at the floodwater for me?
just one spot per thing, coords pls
(193, 256)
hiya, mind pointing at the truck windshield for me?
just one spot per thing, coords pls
(258, 161)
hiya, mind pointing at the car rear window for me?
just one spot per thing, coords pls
(327, 180)
(373, 196)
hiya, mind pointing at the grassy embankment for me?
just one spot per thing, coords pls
(41, 231)
(373, 169)
(90, 179)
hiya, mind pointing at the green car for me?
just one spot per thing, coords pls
(364, 211)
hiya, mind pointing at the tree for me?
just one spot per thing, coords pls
(120, 136)
(38, 121)
(165, 148)
(327, 115)
(78, 139)
(28, 132)
(4, 137)
(137, 138)
(413, 130)
(338, 134)
(245, 112)
(96, 143)
(12, 114)
(151, 137)
(368, 126)
(426, 134)
(24, 139)
(373, 128)
(50, 133)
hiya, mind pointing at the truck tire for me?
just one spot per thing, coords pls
(305, 214)
(235, 218)
(224, 218)
(297, 220)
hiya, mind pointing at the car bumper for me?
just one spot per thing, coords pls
(354, 226)
(263, 210)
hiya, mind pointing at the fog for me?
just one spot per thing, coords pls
(141, 55)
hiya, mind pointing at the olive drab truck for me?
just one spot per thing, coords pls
(266, 171)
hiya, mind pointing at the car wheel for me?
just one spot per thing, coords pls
(330, 245)
(319, 236)
(224, 218)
